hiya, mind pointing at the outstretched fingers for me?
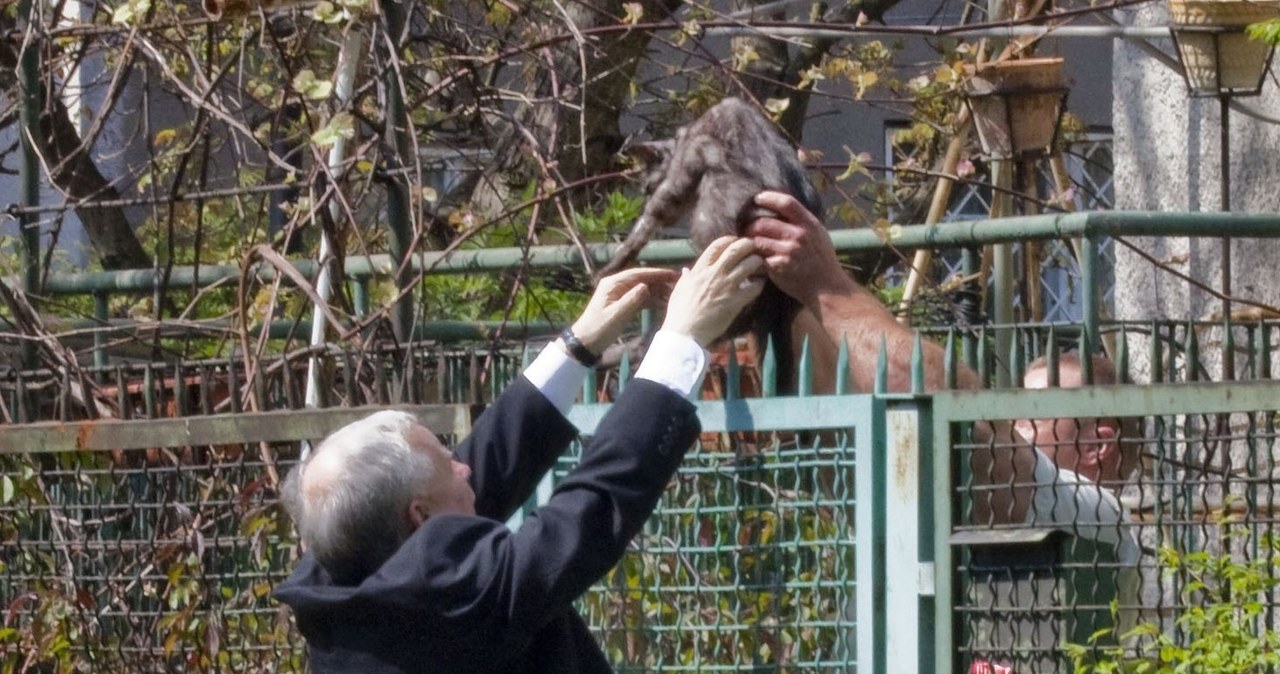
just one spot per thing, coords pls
(787, 207)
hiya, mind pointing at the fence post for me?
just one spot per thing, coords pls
(400, 213)
(943, 474)
(870, 596)
(29, 169)
(909, 569)
(100, 315)
(1089, 252)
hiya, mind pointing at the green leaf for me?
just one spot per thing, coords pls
(341, 126)
(130, 11)
(6, 489)
(310, 87)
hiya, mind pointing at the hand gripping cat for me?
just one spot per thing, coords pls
(712, 170)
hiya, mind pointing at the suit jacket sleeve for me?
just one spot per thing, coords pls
(491, 583)
(511, 445)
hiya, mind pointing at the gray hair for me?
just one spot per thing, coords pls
(356, 520)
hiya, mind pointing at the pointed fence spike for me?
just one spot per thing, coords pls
(1122, 356)
(1192, 359)
(805, 374)
(1251, 347)
(984, 360)
(180, 390)
(149, 390)
(882, 367)
(769, 371)
(122, 391)
(1264, 363)
(949, 359)
(732, 374)
(842, 367)
(1015, 359)
(1051, 358)
(1157, 355)
(624, 371)
(1086, 359)
(1228, 350)
(233, 390)
(917, 364)
(589, 387)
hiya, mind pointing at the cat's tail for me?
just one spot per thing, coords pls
(630, 248)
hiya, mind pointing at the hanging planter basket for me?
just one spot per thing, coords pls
(1217, 56)
(1016, 106)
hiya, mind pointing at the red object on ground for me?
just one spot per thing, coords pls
(986, 667)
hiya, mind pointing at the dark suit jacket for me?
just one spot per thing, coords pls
(465, 593)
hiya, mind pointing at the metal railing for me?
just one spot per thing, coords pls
(1017, 593)
(1089, 227)
(801, 533)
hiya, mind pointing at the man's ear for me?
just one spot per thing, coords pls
(1108, 447)
(418, 512)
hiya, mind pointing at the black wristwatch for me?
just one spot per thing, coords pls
(577, 349)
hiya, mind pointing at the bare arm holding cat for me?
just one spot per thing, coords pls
(803, 263)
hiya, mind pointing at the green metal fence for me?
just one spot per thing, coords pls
(752, 562)
(1017, 593)
(152, 544)
(139, 530)
(827, 533)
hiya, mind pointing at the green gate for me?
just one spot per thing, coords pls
(1017, 594)
(751, 562)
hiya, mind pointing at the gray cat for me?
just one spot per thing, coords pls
(712, 170)
(713, 167)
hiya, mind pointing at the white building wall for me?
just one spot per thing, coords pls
(1167, 158)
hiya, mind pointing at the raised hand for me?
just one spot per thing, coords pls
(616, 300)
(797, 249)
(725, 279)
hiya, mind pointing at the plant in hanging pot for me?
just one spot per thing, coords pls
(1218, 57)
(1016, 105)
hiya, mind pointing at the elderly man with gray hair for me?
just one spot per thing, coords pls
(409, 567)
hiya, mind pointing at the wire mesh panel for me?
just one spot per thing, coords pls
(748, 564)
(158, 559)
(1042, 553)
(1099, 564)
(149, 560)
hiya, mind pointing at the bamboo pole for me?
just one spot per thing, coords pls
(1031, 249)
(937, 209)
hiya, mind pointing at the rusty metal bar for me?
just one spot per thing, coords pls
(224, 429)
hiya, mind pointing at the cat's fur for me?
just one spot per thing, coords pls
(711, 171)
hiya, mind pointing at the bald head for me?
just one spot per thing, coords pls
(1101, 449)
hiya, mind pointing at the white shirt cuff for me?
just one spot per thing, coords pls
(558, 376)
(675, 361)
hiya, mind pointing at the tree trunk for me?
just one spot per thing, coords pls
(74, 173)
(583, 127)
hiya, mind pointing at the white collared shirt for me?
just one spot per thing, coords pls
(673, 360)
